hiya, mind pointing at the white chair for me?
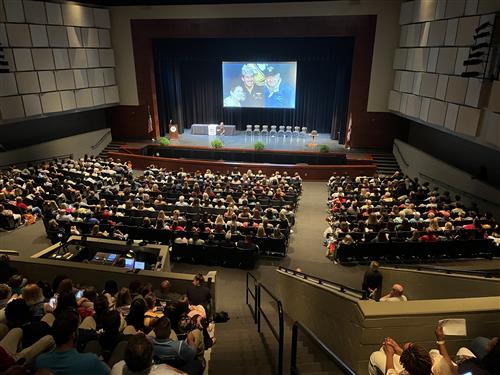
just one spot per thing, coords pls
(281, 130)
(296, 131)
(256, 130)
(288, 131)
(264, 132)
(273, 132)
(248, 130)
(303, 132)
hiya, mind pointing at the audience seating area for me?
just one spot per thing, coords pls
(396, 219)
(213, 218)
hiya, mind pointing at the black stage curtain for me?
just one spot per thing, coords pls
(189, 81)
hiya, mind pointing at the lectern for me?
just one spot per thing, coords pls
(173, 131)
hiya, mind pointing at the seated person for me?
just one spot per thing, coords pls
(395, 295)
(197, 292)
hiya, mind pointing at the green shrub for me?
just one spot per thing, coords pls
(324, 148)
(259, 146)
(217, 143)
(164, 141)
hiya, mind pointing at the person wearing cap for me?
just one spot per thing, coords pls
(254, 94)
(236, 96)
(278, 93)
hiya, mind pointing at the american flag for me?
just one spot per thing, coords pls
(150, 121)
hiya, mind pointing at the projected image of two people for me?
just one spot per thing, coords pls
(259, 85)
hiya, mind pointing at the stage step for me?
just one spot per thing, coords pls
(386, 163)
(113, 146)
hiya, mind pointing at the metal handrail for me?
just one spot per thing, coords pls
(293, 358)
(484, 273)
(253, 294)
(101, 140)
(342, 288)
(278, 335)
(34, 161)
(401, 154)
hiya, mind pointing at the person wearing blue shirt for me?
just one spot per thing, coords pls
(65, 359)
(278, 93)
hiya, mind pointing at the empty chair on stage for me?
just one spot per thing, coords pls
(248, 130)
(256, 130)
(288, 131)
(281, 130)
(264, 131)
(303, 132)
(273, 131)
(296, 131)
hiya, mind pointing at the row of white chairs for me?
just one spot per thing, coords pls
(282, 130)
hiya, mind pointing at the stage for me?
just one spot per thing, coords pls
(242, 141)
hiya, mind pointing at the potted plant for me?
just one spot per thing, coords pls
(324, 149)
(164, 141)
(217, 143)
(259, 146)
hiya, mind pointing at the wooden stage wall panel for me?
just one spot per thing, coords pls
(307, 172)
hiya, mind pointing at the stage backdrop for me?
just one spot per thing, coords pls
(189, 81)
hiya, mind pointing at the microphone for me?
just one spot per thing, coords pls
(170, 123)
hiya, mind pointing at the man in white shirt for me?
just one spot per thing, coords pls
(395, 295)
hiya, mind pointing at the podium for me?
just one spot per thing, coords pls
(173, 131)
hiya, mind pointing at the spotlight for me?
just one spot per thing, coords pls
(473, 62)
(481, 35)
(470, 74)
(478, 46)
(483, 26)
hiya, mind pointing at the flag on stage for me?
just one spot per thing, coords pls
(348, 135)
(150, 121)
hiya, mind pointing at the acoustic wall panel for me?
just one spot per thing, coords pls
(457, 88)
(19, 35)
(417, 82)
(77, 58)
(440, 9)
(111, 94)
(65, 80)
(465, 32)
(467, 121)
(74, 37)
(106, 57)
(77, 15)
(109, 77)
(84, 98)
(437, 112)
(413, 105)
(14, 11)
(51, 102)
(407, 81)
(92, 58)
(473, 92)
(428, 85)
(451, 116)
(420, 59)
(9, 57)
(57, 36)
(471, 7)
(494, 101)
(455, 8)
(413, 35)
(446, 60)
(441, 87)
(406, 13)
(433, 59)
(492, 131)
(39, 36)
(8, 85)
(11, 107)
(34, 12)
(27, 82)
(23, 59)
(32, 105)
(3, 35)
(96, 77)
(3, 17)
(101, 18)
(462, 55)
(402, 36)
(81, 79)
(90, 38)
(451, 32)
(43, 59)
(404, 102)
(61, 58)
(424, 35)
(54, 14)
(47, 81)
(104, 38)
(424, 109)
(424, 10)
(68, 100)
(98, 96)
(437, 33)
(394, 100)
(397, 80)
(400, 55)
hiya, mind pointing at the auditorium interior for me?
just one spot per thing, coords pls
(284, 186)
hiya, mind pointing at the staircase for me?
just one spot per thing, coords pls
(113, 146)
(386, 163)
(241, 350)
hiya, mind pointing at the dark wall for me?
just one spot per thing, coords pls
(29, 132)
(458, 152)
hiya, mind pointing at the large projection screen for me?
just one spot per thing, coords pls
(259, 84)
